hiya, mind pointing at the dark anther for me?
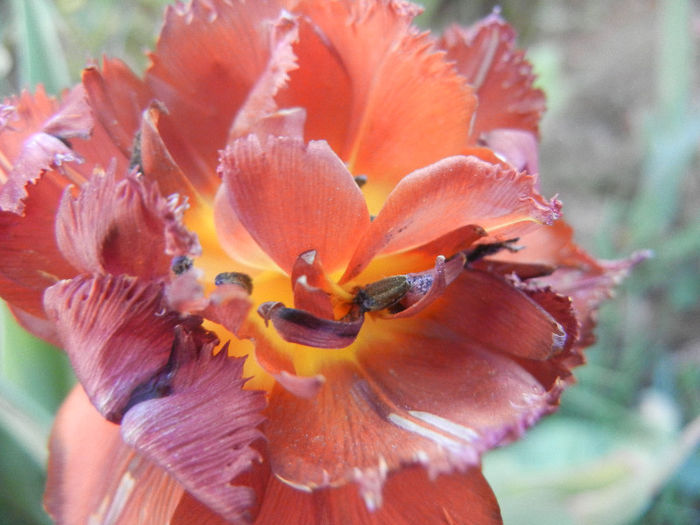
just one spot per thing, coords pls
(382, 294)
(360, 180)
(484, 250)
(241, 279)
(181, 264)
(135, 160)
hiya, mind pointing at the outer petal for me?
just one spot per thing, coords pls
(123, 227)
(93, 477)
(30, 260)
(293, 198)
(97, 318)
(448, 195)
(408, 107)
(202, 431)
(209, 56)
(410, 497)
(486, 309)
(146, 367)
(32, 141)
(439, 401)
(486, 56)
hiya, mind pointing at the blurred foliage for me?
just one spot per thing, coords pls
(621, 138)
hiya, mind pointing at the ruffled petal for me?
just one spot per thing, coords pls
(409, 497)
(407, 106)
(96, 319)
(94, 477)
(448, 195)
(30, 259)
(589, 287)
(20, 117)
(34, 140)
(209, 55)
(261, 99)
(293, 198)
(202, 430)
(485, 54)
(429, 397)
(123, 227)
(167, 379)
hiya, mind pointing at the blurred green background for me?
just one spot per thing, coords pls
(619, 145)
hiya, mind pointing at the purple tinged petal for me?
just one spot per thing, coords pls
(116, 332)
(299, 326)
(202, 431)
(122, 227)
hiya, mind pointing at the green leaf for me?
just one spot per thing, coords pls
(40, 54)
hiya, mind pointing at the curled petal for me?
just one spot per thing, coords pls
(409, 497)
(485, 54)
(517, 147)
(448, 195)
(477, 312)
(202, 430)
(306, 387)
(426, 287)
(39, 326)
(298, 326)
(455, 241)
(122, 228)
(293, 197)
(94, 477)
(311, 286)
(96, 319)
(325, 97)
(155, 160)
(216, 47)
(261, 99)
(228, 305)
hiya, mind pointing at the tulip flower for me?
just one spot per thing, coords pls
(302, 267)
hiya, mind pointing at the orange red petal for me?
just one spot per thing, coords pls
(30, 260)
(486, 56)
(428, 397)
(294, 197)
(407, 106)
(448, 195)
(209, 55)
(410, 497)
(93, 476)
